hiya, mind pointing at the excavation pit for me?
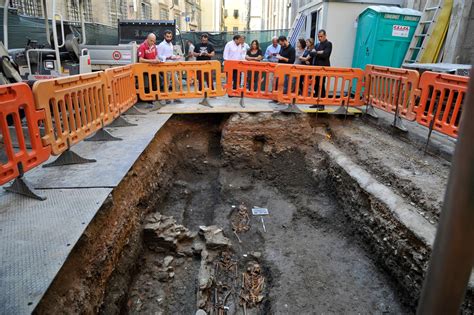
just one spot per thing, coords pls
(345, 233)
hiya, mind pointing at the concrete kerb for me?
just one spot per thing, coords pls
(402, 211)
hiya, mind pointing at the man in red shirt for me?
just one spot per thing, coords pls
(147, 51)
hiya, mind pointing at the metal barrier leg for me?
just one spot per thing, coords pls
(397, 120)
(205, 102)
(292, 108)
(429, 135)
(134, 111)
(69, 157)
(398, 123)
(21, 186)
(369, 110)
(121, 122)
(241, 102)
(102, 135)
(342, 110)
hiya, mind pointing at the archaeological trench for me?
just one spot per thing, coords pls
(264, 213)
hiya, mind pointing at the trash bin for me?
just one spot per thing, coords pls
(383, 36)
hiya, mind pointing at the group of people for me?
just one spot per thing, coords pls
(280, 51)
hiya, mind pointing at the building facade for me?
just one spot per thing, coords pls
(277, 14)
(187, 13)
(212, 12)
(236, 16)
(256, 15)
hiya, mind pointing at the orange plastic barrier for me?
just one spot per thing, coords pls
(75, 107)
(441, 99)
(319, 85)
(385, 87)
(121, 83)
(175, 80)
(253, 79)
(16, 100)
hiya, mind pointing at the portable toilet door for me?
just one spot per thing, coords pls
(383, 36)
(365, 39)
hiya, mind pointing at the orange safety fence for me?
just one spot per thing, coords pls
(75, 107)
(392, 89)
(121, 83)
(16, 100)
(442, 96)
(175, 80)
(250, 79)
(319, 85)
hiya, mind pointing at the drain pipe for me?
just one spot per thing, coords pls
(5, 23)
(452, 258)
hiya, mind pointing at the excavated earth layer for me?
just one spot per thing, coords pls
(352, 213)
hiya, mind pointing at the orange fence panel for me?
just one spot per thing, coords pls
(385, 87)
(175, 80)
(250, 79)
(319, 85)
(16, 100)
(75, 107)
(442, 96)
(121, 83)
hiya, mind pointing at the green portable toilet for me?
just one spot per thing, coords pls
(383, 36)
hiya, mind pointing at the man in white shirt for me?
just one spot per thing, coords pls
(233, 51)
(166, 54)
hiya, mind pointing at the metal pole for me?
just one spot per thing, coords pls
(5, 24)
(83, 24)
(452, 258)
(55, 38)
(46, 21)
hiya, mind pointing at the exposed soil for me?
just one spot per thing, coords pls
(324, 248)
(311, 261)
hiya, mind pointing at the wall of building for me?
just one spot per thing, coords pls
(233, 23)
(256, 11)
(341, 31)
(212, 12)
(276, 14)
(107, 12)
(466, 51)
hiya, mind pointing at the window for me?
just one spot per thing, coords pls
(177, 17)
(176, 2)
(118, 10)
(226, 14)
(236, 13)
(73, 13)
(236, 28)
(163, 14)
(28, 7)
(145, 12)
(225, 28)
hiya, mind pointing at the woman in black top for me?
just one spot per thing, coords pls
(254, 54)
